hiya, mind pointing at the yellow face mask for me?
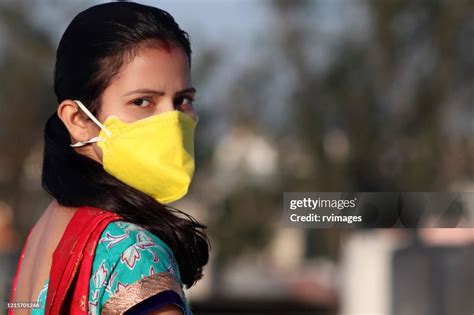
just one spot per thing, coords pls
(154, 155)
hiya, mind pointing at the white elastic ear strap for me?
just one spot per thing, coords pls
(89, 114)
(81, 143)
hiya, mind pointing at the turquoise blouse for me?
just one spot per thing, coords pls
(130, 259)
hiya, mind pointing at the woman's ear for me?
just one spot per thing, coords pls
(76, 122)
(80, 128)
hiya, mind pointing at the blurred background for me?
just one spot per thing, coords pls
(293, 95)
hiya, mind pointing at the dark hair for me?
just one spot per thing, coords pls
(91, 52)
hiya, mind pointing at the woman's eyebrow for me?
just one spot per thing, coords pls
(185, 91)
(151, 91)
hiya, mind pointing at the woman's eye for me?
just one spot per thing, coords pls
(141, 102)
(184, 101)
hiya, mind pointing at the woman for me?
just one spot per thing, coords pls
(118, 148)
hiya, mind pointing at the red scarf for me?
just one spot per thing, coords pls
(68, 289)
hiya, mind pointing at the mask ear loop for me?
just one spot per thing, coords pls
(89, 114)
(82, 143)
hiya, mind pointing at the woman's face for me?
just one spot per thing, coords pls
(157, 80)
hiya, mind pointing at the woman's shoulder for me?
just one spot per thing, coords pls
(119, 235)
(129, 259)
(127, 243)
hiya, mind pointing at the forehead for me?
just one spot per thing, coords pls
(155, 67)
